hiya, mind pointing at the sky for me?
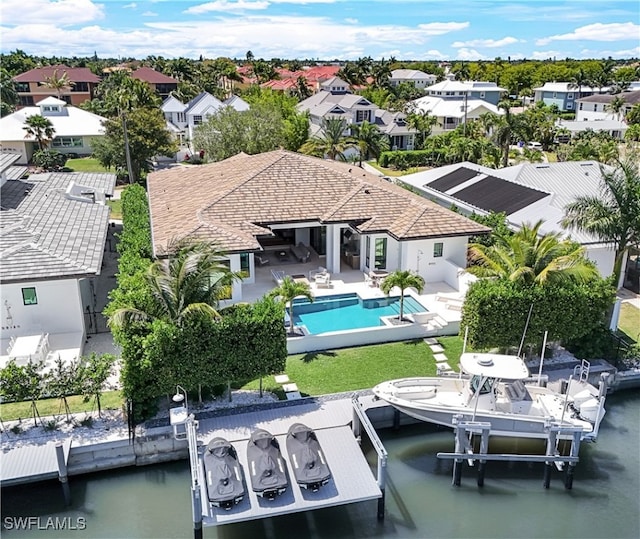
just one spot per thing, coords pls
(324, 29)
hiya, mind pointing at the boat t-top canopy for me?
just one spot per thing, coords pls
(494, 366)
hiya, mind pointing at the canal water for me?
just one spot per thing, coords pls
(154, 502)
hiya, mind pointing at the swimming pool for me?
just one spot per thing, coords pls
(348, 311)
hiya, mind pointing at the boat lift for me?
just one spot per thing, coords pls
(465, 430)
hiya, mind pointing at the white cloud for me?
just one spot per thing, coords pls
(149, 14)
(469, 54)
(132, 5)
(597, 32)
(62, 12)
(227, 6)
(435, 55)
(489, 43)
(440, 28)
(545, 55)
(351, 21)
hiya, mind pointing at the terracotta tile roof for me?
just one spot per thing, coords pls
(152, 76)
(233, 201)
(40, 74)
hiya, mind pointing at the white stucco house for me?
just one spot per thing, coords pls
(335, 100)
(526, 193)
(52, 239)
(183, 118)
(415, 77)
(75, 128)
(564, 94)
(284, 207)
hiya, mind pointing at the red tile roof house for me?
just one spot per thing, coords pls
(31, 86)
(162, 84)
(261, 207)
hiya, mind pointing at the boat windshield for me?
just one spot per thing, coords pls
(486, 387)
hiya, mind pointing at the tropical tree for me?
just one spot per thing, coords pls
(579, 79)
(40, 128)
(95, 370)
(504, 131)
(58, 83)
(370, 140)
(613, 216)
(8, 94)
(421, 121)
(331, 142)
(531, 258)
(616, 106)
(289, 290)
(192, 279)
(403, 280)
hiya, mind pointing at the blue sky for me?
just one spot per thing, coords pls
(324, 29)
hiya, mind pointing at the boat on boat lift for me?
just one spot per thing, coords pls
(498, 389)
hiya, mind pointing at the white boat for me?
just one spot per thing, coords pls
(498, 389)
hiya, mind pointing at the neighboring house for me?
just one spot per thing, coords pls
(615, 128)
(597, 107)
(526, 193)
(162, 84)
(452, 112)
(52, 239)
(183, 119)
(335, 100)
(417, 78)
(469, 90)
(564, 95)
(31, 86)
(75, 128)
(244, 203)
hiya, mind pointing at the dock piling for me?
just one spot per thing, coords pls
(62, 473)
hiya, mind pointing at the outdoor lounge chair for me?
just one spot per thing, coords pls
(323, 280)
(262, 261)
(301, 252)
(315, 272)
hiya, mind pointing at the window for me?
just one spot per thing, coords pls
(438, 248)
(50, 108)
(555, 95)
(29, 296)
(80, 87)
(244, 265)
(381, 253)
(569, 106)
(26, 100)
(67, 142)
(569, 96)
(181, 117)
(595, 107)
(362, 115)
(580, 106)
(22, 87)
(197, 120)
(482, 95)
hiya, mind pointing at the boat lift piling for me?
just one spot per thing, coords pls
(62, 473)
(360, 420)
(464, 431)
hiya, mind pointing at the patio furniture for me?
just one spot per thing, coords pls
(30, 347)
(278, 276)
(262, 261)
(301, 252)
(369, 280)
(323, 280)
(378, 276)
(315, 272)
(283, 256)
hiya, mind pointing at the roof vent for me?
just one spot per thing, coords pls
(367, 191)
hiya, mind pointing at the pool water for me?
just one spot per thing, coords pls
(348, 311)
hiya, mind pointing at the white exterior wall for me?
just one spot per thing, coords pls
(59, 308)
(17, 147)
(593, 111)
(603, 257)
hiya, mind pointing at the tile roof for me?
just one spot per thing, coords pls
(40, 74)
(151, 75)
(232, 202)
(46, 235)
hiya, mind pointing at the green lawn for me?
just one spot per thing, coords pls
(393, 171)
(116, 208)
(629, 322)
(85, 164)
(336, 371)
(110, 400)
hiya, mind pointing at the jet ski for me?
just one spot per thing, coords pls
(266, 465)
(222, 474)
(307, 459)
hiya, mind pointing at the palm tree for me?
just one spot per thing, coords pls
(60, 83)
(402, 279)
(579, 79)
(40, 128)
(289, 290)
(613, 215)
(370, 140)
(504, 131)
(421, 121)
(531, 259)
(332, 142)
(191, 280)
(617, 106)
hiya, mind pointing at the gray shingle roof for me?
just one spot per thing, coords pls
(44, 234)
